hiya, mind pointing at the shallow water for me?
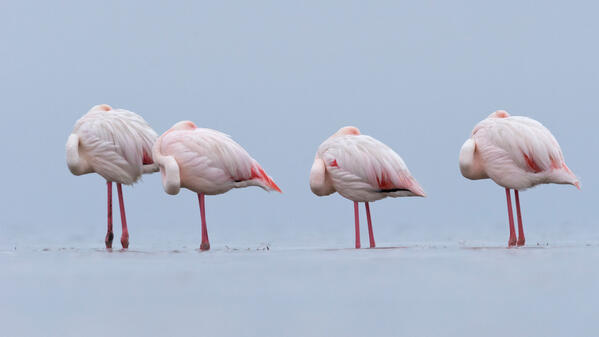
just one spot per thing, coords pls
(441, 289)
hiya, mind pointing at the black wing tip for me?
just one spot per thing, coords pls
(394, 190)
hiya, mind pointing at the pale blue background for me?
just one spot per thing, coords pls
(280, 77)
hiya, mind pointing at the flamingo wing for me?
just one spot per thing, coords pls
(370, 161)
(524, 142)
(211, 162)
(117, 144)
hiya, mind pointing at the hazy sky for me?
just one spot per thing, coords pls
(280, 78)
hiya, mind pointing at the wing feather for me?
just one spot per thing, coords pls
(210, 153)
(114, 143)
(369, 160)
(520, 140)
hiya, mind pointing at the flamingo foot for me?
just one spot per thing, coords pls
(521, 242)
(512, 241)
(125, 240)
(205, 246)
(108, 239)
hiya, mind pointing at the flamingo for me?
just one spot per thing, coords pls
(361, 169)
(207, 162)
(516, 153)
(116, 144)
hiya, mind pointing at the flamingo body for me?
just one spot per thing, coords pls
(115, 143)
(515, 152)
(206, 161)
(361, 169)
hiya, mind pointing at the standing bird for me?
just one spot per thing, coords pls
(516, 153)
(116, 144)
(361, 169)
(207, 162)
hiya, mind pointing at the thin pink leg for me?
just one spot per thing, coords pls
(521, 239)
(125, 234)
(357, 216)
(512, 241)
(370, 231)
(109, 234)
(205, 245)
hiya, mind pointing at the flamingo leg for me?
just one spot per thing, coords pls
(521, 239)
(109, 234)
(205, 245)
(125, 233)
(370, 231)
(357, 217)
(512, 240)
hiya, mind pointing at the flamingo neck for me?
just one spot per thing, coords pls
(471, 164)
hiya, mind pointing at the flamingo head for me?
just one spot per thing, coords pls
(347, 130)
(101, 107)
(184, 125)
(499, 114)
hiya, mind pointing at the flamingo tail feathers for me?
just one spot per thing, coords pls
(264, 180)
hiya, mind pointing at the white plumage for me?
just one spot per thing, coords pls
(206, 161)
(515, 152)
(113, 143)
(360, 168)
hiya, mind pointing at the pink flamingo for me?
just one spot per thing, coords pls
(361, 169)
(207, 162)
(116, 144)
(516, 153)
